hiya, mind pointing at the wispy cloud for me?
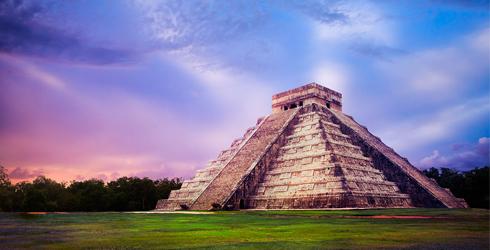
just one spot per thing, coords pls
(436, 127)
(447, 70)
(364, 22)
(181, 24)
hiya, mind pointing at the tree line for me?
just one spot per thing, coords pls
(472, 185)
(133, 193)
(123, 194)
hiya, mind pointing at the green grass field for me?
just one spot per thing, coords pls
(340, 229)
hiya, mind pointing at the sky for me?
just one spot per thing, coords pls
(104, 89)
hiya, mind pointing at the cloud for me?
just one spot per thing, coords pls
(25, 30)
(332, 75)
(327, 12)
(434, 127)
(363, 21)
(168, 170)
(181, 24)
(22, 173)
(464, 157)
(448, 70)
(33, 72)
(435, 94)
(376, 51)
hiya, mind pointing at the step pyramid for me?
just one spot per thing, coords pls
(308, 155)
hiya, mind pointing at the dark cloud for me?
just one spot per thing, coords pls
(22, 173)
(376, 51)
(320, 10)
(23, 30)
(463, 156)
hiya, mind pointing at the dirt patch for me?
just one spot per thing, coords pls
(171, 212)
(36, 213)
(408, 217)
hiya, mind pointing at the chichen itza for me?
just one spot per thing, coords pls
(307, 154)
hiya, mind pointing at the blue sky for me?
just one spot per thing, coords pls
(158, 88)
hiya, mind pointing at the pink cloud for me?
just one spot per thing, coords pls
(24, 174)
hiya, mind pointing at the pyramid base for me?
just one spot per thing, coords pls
(345, 200)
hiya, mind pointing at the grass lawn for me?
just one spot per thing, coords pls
(340, 229)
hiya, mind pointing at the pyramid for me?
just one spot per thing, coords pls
(307, 154)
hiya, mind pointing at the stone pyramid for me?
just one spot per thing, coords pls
(308, 155)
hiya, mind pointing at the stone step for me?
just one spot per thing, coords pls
(330, 124)
(323, 180)
(314, 166)
(303, 155)
(307, 136)
(330, 132)
(359, 168)
(342, 143)
(304, 144)
(353, 156)
(318, 195)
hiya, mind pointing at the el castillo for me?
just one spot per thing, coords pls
(243, 125)
(308, 154)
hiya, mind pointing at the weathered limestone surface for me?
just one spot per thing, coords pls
(423, 190)
(308, 154)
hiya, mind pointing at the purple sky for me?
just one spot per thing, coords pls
(94, 89)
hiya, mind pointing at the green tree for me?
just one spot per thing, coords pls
(133, 193)
(432, 173)
(477, 187)
(90, 195)
(43, 194)
(473, 185)
(164, 186)
(6, 191)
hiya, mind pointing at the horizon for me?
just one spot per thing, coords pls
(157, 89)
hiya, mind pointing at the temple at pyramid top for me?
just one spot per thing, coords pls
(305, 95)
(308, 154)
